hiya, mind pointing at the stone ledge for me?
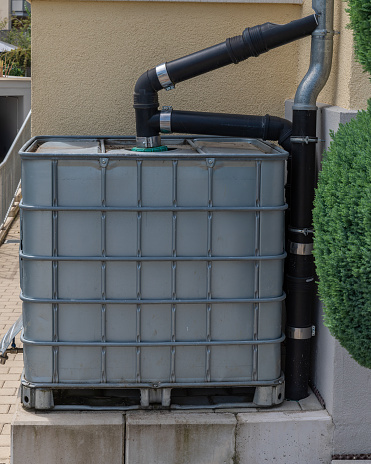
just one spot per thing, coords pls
(182, 438)
(283, 436)
(65, 438)
(303, 437)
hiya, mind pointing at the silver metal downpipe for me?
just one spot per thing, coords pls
(320, 58)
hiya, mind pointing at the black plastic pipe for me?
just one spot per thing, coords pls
(252, 42)
(300, 271)
(234, 125)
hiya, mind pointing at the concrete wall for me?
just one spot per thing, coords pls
(343, 383)
(15, 104)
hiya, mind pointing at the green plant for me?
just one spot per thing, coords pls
(19, 35)
(342, 245)
(360, 22)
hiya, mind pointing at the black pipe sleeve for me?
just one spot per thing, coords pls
(234, 125)
(254, 41)
(297, 368)
(267, 36)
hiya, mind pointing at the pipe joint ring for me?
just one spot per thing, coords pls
(301, 333)
(322, 33)
(303, 249)
(163, 77)
(165, 119)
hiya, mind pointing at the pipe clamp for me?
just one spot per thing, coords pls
(303, 249)
(163, 77)
(305, 231)
(148, 142)
(165, 119)
(305, 139)
(301, 333)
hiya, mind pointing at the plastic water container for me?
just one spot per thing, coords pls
(152, 270)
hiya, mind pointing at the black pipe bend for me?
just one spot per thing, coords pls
(252, 42)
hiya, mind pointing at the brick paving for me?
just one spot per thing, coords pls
(10, 310)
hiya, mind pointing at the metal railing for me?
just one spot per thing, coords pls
(10, 170)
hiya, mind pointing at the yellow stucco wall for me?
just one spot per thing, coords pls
(88, 55)
(347, 86)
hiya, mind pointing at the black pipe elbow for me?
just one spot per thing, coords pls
(148, 81)
(146, 102)
(278, 129)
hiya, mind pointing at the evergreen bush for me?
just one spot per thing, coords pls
(342, 244)
(360, 22)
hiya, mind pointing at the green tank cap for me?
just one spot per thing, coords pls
(151, 150)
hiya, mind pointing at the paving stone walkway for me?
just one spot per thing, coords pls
(10, 310)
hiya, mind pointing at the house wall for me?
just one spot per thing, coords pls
(84, 71)
(5, 10)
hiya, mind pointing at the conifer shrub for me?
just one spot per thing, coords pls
(360, 22)
(342, 243)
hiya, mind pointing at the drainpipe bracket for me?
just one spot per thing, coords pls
(304, 231)
(306, 139)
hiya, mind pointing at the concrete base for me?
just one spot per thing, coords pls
(288, 434)
(62, 438)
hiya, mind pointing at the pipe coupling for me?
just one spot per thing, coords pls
(165, 119)
(303, 249)
(163, 77)
(301, 333)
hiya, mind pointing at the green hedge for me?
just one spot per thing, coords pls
(360, 22)
(342, 247)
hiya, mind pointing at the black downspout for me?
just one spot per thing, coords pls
(252, 42)
(299, 282)
(300, 271)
